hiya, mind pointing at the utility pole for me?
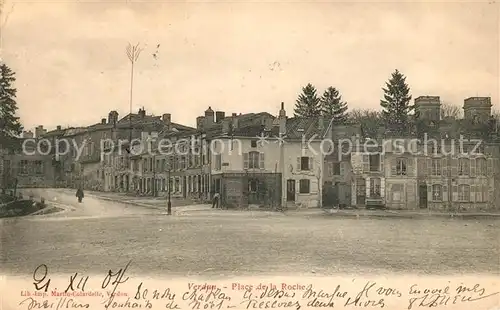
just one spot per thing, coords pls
(169, 203)
(133, 52)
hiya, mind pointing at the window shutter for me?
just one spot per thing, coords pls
(245, 160)
(311, 162)
(472, 167)
(490, 193)
(410, 171)
(261, 164)
(472, 192)
(367, 190)
(382, 163)
(479, 193)
(298, 164)
(382, 187)
(444, 166)
(454, 195)
(394, 162)
(429, 192)
(445, 193)
(489, 170)
(366, 163)
(454, 167)
(421, 166)
(429, 166)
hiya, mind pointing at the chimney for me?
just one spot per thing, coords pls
(142, 112)
(103, 121)
(39, 131)
(282, 119)
(167, 120)
(113, 117)
(234, 119)
(226, 126)
(58, 127)
(209, 115)
(27, 134)
(199, 122)
(219, 116)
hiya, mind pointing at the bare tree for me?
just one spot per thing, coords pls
(451, 110)
(370, 120)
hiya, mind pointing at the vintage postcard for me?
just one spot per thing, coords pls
(249, 155)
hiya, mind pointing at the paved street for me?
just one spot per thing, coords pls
(102, 233)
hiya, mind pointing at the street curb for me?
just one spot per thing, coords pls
(138, 204)
(416, 216)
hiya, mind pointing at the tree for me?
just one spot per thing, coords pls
(308, 104)
(10, 126)
(332, 105)
(396, 105)
(450, 110)
(370, 121)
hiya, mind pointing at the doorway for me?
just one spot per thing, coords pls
(422, 194)
(290, 190)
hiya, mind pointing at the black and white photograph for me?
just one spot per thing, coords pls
(249, 155)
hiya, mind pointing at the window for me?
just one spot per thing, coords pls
(397, 192)
(437, 192)
(253, 143)
(463, 166)
(463, 193)
(253, 186)
(482, 193)
(304, 186)
(374, 162)
(23, 167)
(336, 168)
(401, 166)
(253, 160)
(481, 166)
(375, 187)
(218, 162)
(304, 163)
(38, 167)
(436, 167)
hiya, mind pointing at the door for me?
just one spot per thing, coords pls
(290, 190)
(360, 191)
(422, 194)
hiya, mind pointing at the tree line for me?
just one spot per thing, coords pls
(396, 113)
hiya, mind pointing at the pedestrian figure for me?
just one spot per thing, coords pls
(215, 201)
(79, 194)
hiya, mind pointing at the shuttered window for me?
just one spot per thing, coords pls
(464, 193)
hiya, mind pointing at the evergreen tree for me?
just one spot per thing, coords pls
(10, 126)
(308, 103)
(332, 105)
(396, 106)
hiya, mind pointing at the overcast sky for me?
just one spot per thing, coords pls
(72, 69)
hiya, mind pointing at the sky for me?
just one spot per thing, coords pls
(239, 57)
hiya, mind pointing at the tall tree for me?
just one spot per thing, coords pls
(396, 105)
(308, 104)
(10, 126)
(332, 105)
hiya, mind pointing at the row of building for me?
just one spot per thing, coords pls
(260, 159)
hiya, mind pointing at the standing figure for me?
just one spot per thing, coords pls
(215, 201)
(79, 194)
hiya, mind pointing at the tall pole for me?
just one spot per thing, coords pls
(133, 52)
(169, 203)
